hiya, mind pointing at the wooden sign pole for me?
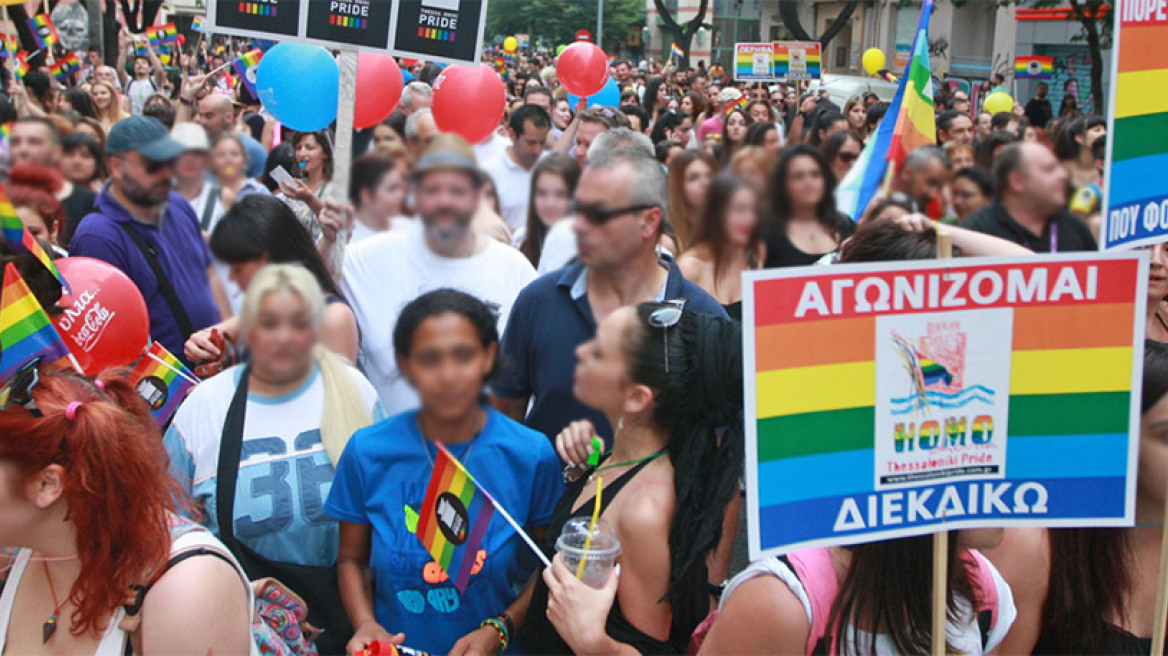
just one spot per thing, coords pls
(941, 538)
(1161, 616)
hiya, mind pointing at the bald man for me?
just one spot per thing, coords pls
(216, 113)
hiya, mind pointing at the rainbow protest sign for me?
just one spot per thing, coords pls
(797, 60)
(1137, 130)
(454, 518)
(884, 400)
(754, 62)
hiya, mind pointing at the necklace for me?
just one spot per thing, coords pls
(50, 625)
(625, 464)
(473, 440)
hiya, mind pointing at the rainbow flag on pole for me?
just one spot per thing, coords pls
(43, 31)
(21, 239)
(1033, 68)
(908, 124)
(161, 34)
(20, 64)
(25, 330)
(454, 518)
(163, 381)
(676, 50)
(65, 66)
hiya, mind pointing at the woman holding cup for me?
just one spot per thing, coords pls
(670, 381)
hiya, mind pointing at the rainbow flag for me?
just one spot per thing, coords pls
(199, 24)
(251, 58)
(25, 330)
(21, 239)
(908, 124)
(1054, 386)
(66, 66)
(20, 65)
(43, 31)
(676, 50)
(6, 130)
(161, 34)
(741, 103)
(1033, 68)
(162, 381)
(454, 518)
(10, 44)
(246, 64)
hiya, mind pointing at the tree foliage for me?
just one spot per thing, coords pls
(559, 20)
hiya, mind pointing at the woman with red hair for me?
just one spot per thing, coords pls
(33, 192)
(102, 558)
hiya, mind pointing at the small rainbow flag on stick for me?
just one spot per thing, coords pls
(676, 50)
(454, 518)
(1033, 68)
(20, 65)
(199, 24)
(251, 58)
(25, 330)
(43, 30)
(163, 381)
(162, 34)
(741, 103)
(66, 66)
(21, 239)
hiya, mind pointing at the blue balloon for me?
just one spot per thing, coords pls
(609, 96)
(298, 85)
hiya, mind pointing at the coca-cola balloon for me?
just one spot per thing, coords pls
(582, 68)
(469, 101)
(105, 323)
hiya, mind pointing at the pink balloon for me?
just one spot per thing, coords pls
(469, 101)
(379, 88)
(582, 68)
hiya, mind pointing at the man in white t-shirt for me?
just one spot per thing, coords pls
(149, 75)
(377, 189)
(385, 272)
(511, 171)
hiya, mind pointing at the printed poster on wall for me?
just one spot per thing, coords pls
(895, 399)
(1137, 154)
(439, 30)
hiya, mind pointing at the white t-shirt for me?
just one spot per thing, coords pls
(397, 224)
(138, 91)
(964, 637)
(559, 247)
(513, 186)
(490, 148)
(382, 274)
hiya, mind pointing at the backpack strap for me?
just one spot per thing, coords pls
(150, 252)
(817, 574)
(987, 603)
(209, 208)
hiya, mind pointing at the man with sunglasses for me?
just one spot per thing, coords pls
(620, 201)
(149, 232)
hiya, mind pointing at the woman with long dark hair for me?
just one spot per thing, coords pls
(83, 160)
(805, 224)
(734, 127)
(314, 161)
(657, 96)
(91, 510)
(1093, 591)
(260, 230)
(553, 185)
(727, 242)
(670, 380)
(689, 180)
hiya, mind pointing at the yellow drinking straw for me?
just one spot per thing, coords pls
(591, 528)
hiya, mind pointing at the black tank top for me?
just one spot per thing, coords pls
(539, 636)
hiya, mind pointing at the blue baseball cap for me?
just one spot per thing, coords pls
(144, 135)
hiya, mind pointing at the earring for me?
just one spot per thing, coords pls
(620, 424)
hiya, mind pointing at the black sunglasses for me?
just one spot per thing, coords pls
(600, 216)
(17, 390)
(666, 317)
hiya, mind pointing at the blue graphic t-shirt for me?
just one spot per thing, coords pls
(381, 481)
(284, 473)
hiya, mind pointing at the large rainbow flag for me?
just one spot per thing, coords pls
(25, 330)
(20, 239)
(908, 124)
(454, 518)
(1066, 365)
(162, 381)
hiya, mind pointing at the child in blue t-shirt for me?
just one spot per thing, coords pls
(446, 343)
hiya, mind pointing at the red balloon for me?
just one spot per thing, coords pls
(469, 101)
(182, 40)
(105, 323)
(379, 88)
(582, 68)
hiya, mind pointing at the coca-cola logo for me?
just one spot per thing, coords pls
(76, 311)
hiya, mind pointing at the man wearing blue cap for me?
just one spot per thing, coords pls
(151, 233)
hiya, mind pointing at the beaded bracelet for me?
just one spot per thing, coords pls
(501, 629)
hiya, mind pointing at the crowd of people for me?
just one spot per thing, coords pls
(577, 275)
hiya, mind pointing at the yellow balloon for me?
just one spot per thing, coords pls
(510, 44)
(873, 60)
(999, 101)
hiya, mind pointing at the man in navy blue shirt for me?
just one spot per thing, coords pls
(620, 202)
(143, 228)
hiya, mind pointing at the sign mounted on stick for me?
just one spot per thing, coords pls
(438, 30)
(897, 399)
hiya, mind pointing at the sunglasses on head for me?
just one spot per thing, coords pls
(664, 318)
(600, 216)
(17, 390)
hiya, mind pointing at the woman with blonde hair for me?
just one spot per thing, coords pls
(108, 101)
(689, 178)
(256, 446)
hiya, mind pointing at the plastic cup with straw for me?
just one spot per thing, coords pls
(593, 460)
